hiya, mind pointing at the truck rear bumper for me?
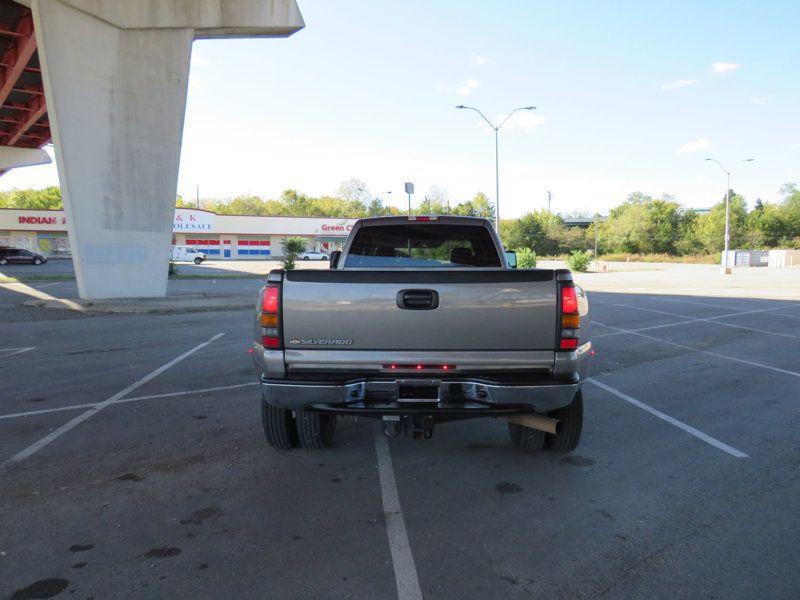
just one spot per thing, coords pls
(400, 396)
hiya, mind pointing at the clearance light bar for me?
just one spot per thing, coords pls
(269, 319)
(418, 367)
(417, 218)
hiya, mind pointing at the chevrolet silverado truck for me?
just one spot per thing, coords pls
(419, 321)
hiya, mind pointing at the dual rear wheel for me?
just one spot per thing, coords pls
(286, 429)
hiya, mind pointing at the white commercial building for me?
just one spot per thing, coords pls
(219, 236)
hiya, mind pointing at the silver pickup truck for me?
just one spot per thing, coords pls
(418, 321)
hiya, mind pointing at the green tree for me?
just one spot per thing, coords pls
(430, 206)
(526, 259)
(525, 232)
(48, 198)
(711, 227)
(579, 261)
(292, 247)
(479, 206)
(353, 189)
(767, 226)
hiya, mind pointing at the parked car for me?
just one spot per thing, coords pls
(419, 321)
(18, 256)
(185, 253)
(314, 255)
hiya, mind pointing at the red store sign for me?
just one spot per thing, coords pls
(41, 220)
(337, 228)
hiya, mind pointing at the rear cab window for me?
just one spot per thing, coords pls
(422, 246)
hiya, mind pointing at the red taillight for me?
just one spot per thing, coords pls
(570, 318)
(271, 342)
(269, 304)
(569, 300)
(269, 319)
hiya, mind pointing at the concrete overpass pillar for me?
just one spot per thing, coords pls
(115, 77)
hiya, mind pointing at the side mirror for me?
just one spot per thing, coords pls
(511, 259)
(334, 259)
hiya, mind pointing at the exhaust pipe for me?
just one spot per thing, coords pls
(539, 422)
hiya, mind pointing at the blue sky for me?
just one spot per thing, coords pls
(627, 93)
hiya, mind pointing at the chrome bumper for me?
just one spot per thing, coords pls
(295, 395)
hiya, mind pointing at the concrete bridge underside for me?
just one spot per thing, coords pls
(114, 78)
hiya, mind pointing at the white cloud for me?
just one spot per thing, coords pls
(696, 146)
(469, 86)
(758, 99)
(723, 68)
(526, 120)
(679, 83)
(479, 61)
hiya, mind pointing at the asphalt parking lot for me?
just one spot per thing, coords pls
(133, 465)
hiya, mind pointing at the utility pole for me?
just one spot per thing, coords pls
(198, 196)
(549, 197)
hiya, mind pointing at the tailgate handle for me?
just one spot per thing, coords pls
(418, 299)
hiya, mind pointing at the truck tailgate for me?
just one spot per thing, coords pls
(436, 310)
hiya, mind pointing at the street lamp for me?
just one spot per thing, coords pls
(726, 270)
(496, 155)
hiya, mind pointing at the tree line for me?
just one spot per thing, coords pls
(639, 225)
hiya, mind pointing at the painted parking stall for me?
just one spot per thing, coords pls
(167, 481)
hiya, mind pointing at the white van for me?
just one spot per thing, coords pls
(185, 253)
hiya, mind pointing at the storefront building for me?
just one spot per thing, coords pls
(232, 237)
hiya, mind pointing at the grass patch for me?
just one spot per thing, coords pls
(696, 259)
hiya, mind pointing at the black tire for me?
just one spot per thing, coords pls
(3, 261)
(198, 260)
(571, 418)
(37, 261)
(279, 426)
(305, 258)
(315, 429)
(525, 438)
(324, 258)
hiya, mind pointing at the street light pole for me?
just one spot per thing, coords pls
(726, 270)
(496, 155)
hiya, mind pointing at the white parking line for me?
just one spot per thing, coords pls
(716, 354)
(671, 420)
(623, 332)
(405, 572)
(54, 435)
(714, 320)
(13, 351)
(694, 320)
(45, 411)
